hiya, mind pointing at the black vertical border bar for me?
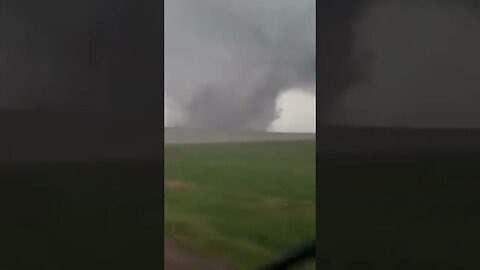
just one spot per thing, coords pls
(161, 21)
(317, 141)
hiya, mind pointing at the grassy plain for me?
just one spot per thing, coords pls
(245, 203)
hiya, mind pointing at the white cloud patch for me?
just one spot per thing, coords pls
(173, 115)
(296, 112)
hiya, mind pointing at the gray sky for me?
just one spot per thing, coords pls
(227, 61)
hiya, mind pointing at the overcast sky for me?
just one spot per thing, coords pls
(227, 62)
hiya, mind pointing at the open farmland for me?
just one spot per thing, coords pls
(388, 198)
(193, 136)
(245, 203)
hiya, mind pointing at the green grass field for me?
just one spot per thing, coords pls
(246, 204)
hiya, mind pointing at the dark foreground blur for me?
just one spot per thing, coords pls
(81, 215)
(415, 210)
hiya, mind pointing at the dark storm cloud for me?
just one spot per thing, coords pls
(81, 55)
(227, 60)
(339, 64)
(425, 65)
